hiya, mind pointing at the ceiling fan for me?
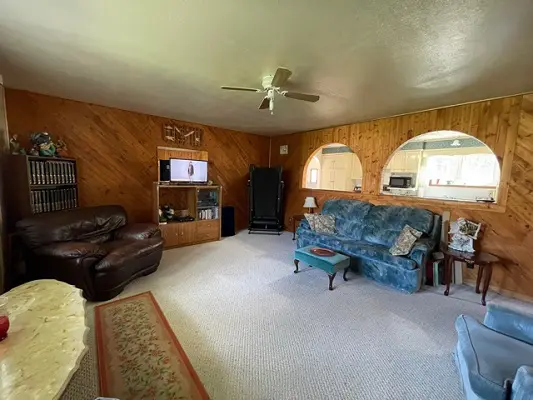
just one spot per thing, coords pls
(271, 86)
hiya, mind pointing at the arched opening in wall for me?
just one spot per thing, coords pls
(333, 167)
(444, 165)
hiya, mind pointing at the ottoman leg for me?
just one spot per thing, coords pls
(344, 274)
(331, 277)
(296, 263)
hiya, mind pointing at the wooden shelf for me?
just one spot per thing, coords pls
(43, 158)
(51, 186)
(176, 233)
(26, 197)
(176, 186)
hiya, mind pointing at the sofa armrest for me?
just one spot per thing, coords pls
(70, 262)
(434, 235)
(304, 224)
(421, 251)
(510, 321)
(522, 388)
(138, 231)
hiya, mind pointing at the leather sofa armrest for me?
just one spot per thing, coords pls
(523, 383)
(69, 250)
(512, 322)
(138, 231)
(71, 262)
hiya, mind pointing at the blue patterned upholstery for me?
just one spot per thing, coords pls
(359, 236)
(349, 216)
(330, 265)
(383, 224)
(500, 349)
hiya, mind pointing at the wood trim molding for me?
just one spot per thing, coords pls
(405, 200)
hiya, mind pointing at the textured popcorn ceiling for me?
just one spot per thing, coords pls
(365, 58)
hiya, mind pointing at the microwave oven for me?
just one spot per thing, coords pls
(401, 182)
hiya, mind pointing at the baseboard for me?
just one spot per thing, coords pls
(504, 292)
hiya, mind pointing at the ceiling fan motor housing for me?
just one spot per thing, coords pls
(267, 81)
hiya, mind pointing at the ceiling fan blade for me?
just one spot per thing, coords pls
(281, 77)
(301, 96)
(246, 89)
(265, 103)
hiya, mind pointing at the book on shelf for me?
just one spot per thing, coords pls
(52, 172)
(47, 200)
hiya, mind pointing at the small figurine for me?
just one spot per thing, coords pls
(61, 148)
(43, 143)
(168, 212)
(14, 146)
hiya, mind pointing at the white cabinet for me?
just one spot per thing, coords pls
(412, 160)
(404, 161)
(339, 171)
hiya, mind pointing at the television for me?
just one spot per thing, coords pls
(188, 171)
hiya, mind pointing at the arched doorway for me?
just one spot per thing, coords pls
(334, 166)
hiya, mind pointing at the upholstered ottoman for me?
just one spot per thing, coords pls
(331, 265)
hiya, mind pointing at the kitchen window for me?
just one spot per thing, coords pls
(472, 170)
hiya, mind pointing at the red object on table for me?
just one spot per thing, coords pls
(4, 326)
(322, 252)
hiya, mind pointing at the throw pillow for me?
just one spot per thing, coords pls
(321, 223)
(405, 241)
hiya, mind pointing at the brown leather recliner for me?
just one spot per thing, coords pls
(92, 248)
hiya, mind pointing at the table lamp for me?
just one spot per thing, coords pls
(310, 203)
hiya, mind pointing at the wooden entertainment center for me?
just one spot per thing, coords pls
(187, 197)
(191, 200)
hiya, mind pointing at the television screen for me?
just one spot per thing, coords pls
(192, 171)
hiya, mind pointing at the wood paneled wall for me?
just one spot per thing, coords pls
(505, 125)
(117, 151)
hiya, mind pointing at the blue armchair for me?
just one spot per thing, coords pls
(499, 350)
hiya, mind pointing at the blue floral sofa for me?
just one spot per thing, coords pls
(365, 232)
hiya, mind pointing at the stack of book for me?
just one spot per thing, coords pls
(52, 172)
(53, 200)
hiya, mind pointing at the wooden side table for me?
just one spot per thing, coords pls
(295, 218)
(484, 261)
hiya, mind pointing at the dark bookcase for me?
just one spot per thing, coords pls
(35, 185)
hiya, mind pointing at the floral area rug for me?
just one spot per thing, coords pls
(139, 356)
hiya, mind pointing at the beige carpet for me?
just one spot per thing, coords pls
(254, 330)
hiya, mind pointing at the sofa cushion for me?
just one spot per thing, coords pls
(383, 224)
(375, 252)
(321, 223)
(405, 241)
(486, 358)
(349, 216)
